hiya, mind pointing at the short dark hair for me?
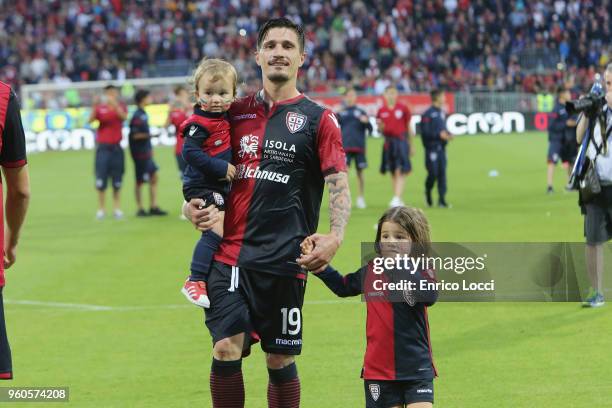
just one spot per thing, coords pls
(110, 87)
(435, 93)
(561, 89)
(178, 89)
(140, 95)
(282, 22)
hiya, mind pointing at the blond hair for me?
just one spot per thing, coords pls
(217, 69)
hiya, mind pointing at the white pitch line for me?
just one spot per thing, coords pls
(102, 308)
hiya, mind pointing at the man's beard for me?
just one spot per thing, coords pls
(278, 77)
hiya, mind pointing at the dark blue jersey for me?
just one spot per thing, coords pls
(353, 129)
(139, 126)
(397, 330)
(433, 122)
(206, 150)
(557, 122)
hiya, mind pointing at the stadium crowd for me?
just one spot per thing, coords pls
(452, 44)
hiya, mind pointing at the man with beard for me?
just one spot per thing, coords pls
(285, 148)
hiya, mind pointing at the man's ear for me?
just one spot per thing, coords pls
(302, 58)
(257, 58)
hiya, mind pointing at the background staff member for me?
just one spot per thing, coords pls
(598, 212)
(13, 162)
(354, 123)
(559, 147)
(393, 119)
(435, 137)
(110, 161)
(141, 150)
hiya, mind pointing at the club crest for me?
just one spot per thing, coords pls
(375, 391)
(295, 121)
(248, 146)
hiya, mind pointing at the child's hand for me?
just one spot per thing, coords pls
(307, 246)
(231, 172)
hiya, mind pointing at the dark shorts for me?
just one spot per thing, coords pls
(555, 148)
(110, 163)
(181, 163)
(569, 151)
(246, 301)
(209, 196)
(6, 366)
(395, 155)
(597, 223)
(358, 157)
(385, 394)
(144, 169)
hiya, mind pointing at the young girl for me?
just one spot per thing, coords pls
(207, 151)
(398, 366)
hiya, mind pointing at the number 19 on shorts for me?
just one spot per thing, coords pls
(292, 321)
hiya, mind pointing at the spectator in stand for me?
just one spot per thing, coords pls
(111, 40)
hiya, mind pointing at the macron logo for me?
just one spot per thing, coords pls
(245, 116)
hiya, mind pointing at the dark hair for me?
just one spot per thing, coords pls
(110, 87)
(141, 94)
(413, 221)
(178, 89)
(282, 22)
(435, 93)
(561, 89)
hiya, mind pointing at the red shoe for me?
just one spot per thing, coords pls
(196, 293)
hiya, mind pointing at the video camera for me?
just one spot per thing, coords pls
(591, 104)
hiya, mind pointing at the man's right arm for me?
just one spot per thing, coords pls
(13, 161)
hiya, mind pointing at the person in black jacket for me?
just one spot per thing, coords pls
(354, 123)
(559, 147)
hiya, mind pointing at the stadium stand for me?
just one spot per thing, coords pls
(525, 46)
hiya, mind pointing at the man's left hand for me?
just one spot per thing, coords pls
(325, 247)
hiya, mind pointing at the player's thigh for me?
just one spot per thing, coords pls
(276, 311)
(228, 314)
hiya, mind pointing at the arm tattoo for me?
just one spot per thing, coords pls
(339, 202)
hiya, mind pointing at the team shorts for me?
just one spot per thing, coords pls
(109, 163)
(6, 367)
(209, 196)
(555, 148)
(144, 169)
(385, 394)
(569, 151)
(396, 155)
(247, 301)
(358, 157)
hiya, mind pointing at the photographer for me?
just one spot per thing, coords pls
(598, 210)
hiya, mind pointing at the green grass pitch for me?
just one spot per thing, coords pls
(96, 305)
